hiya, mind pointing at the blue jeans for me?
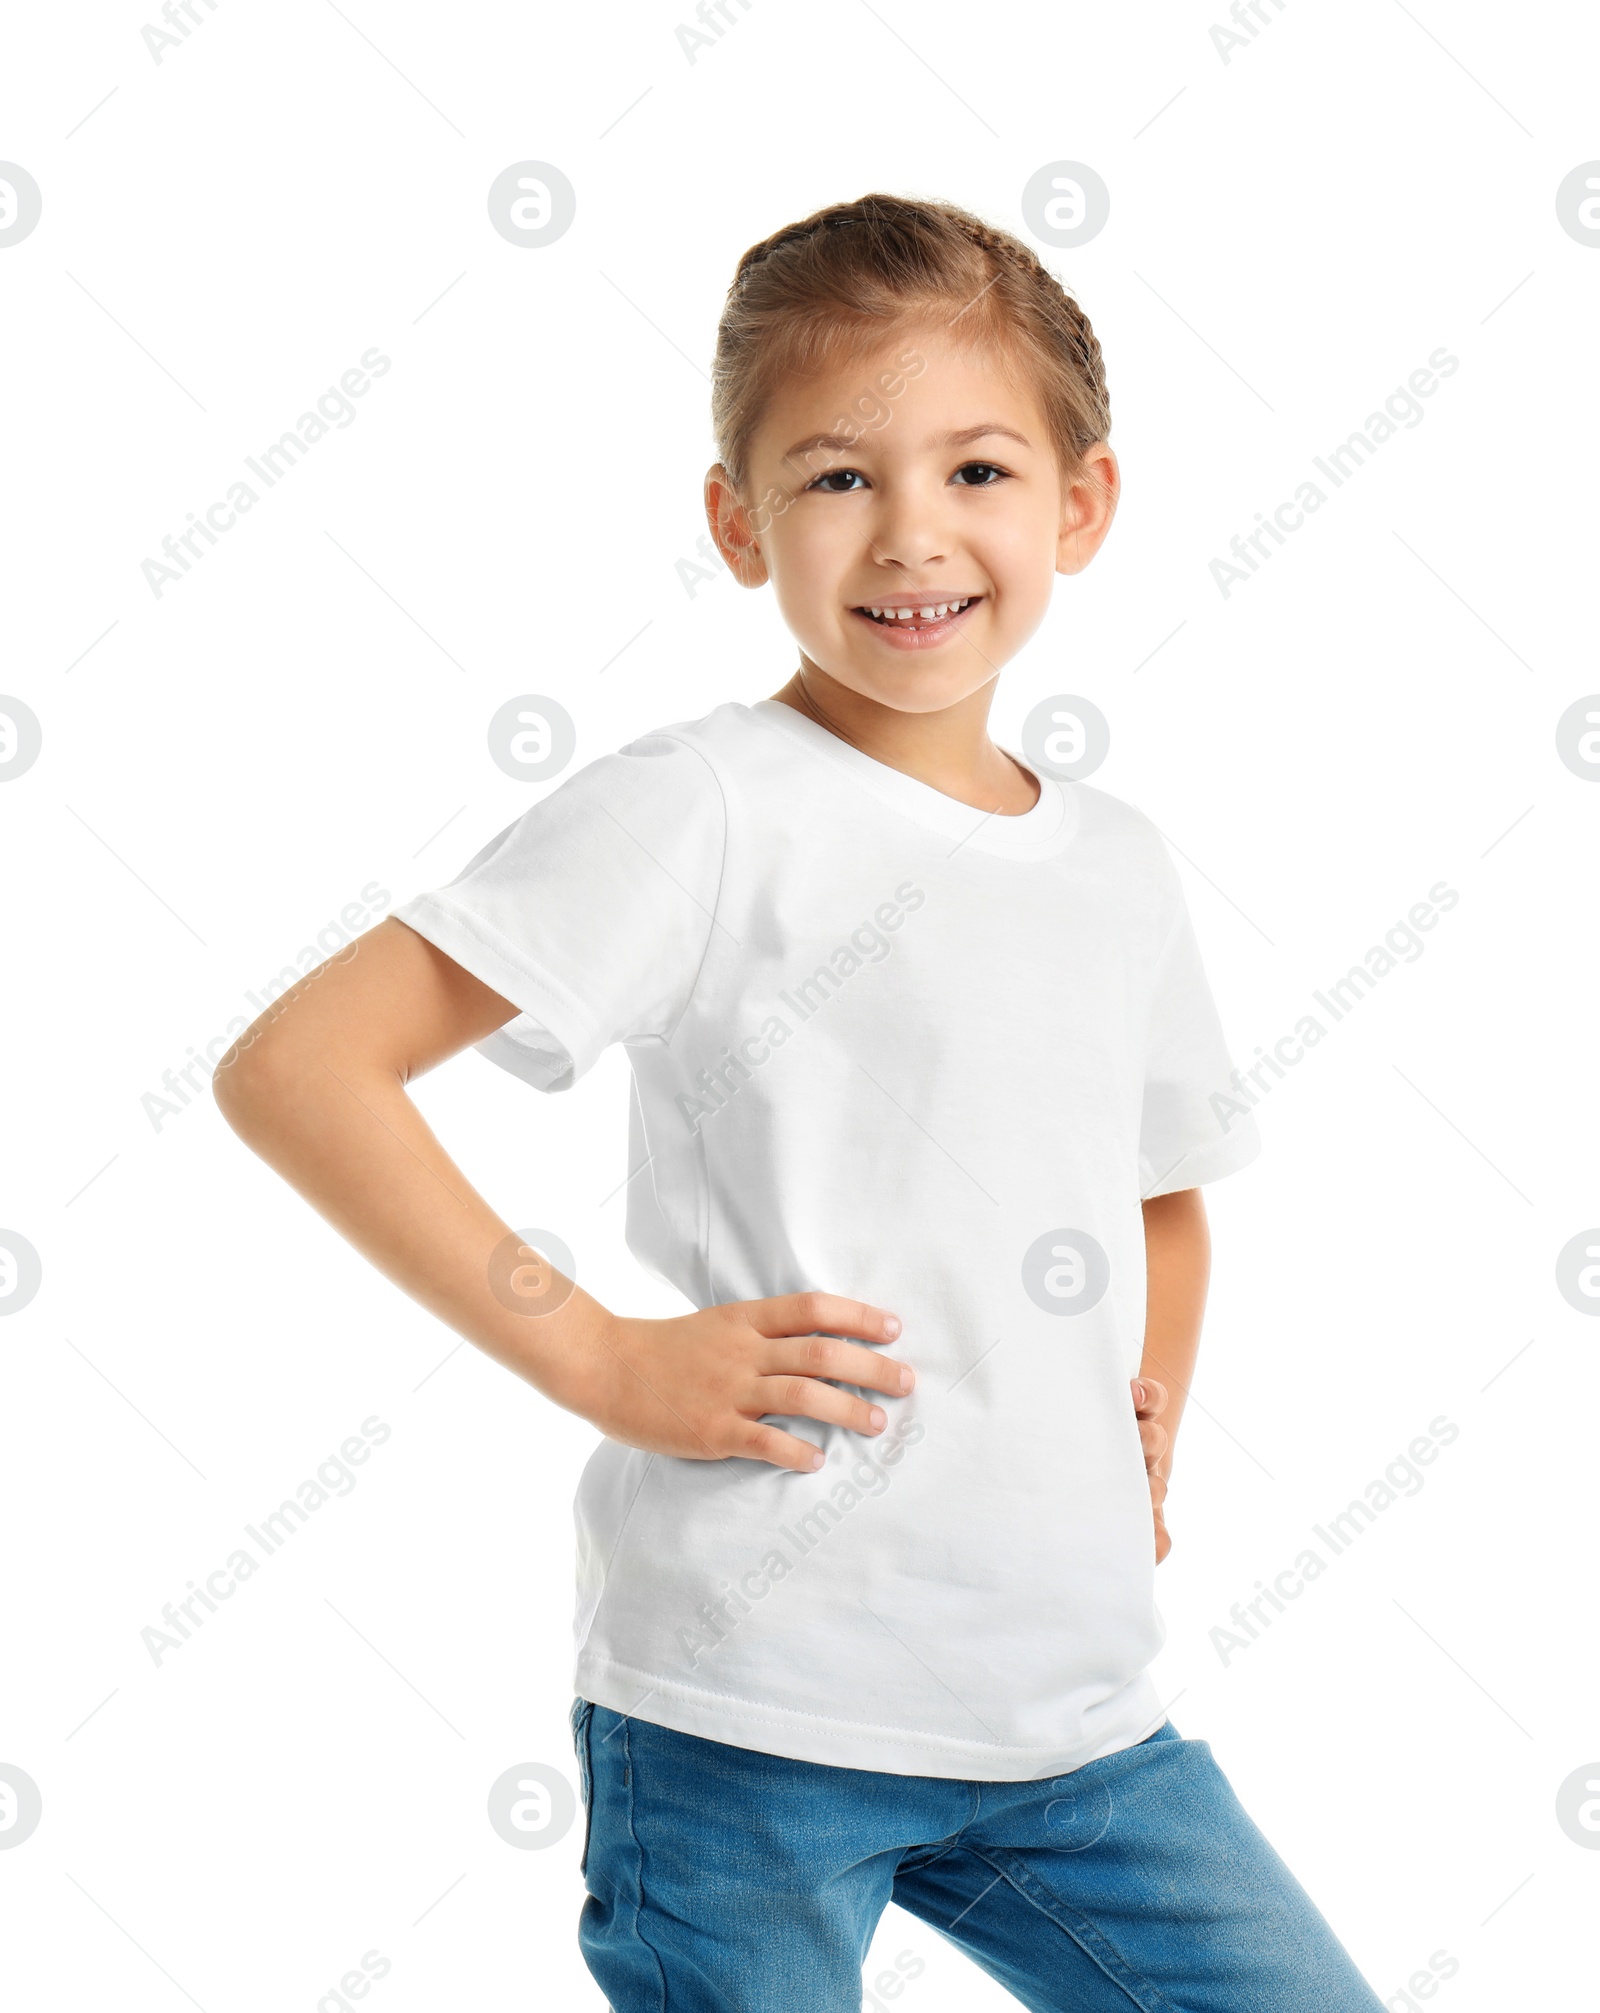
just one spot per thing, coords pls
(722, 1880)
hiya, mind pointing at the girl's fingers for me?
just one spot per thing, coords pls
(1149, 1397)
(808, 1313)
(803, 1398)
(843, 1362)
(783, 1450)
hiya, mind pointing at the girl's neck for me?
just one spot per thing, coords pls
(950, 750)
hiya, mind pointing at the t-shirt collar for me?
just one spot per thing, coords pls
(1033, 834)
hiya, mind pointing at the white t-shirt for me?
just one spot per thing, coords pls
(887, 1046)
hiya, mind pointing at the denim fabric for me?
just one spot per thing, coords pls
(722, 1880)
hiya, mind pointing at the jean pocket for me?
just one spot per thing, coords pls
(582, 1713)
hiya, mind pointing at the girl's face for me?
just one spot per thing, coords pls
(910, 513)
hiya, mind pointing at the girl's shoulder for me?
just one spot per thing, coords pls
(688, 766)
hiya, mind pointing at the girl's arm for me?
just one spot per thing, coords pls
(317, 1087)
(1178, 1269)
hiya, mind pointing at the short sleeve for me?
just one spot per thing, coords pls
(1195, 1125)
(592, 912)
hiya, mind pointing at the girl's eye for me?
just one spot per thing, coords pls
(844, 478)
(978, 475)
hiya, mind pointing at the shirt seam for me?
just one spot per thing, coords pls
(667, 1039)
(611, 1559)
(1179, 908)
(722, 874)
(1142, 1160)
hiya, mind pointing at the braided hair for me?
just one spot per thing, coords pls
(844, 279)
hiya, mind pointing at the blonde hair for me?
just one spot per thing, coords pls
(847, 277)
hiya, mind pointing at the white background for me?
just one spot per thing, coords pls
(227, 766)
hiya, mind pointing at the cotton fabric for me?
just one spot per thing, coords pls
(887, 1046)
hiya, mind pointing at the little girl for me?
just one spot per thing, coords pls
(922, 1056)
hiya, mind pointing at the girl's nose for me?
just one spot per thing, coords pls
(911, 532)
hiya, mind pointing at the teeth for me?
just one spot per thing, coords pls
(935, 611)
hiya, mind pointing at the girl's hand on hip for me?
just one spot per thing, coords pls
(700, 1386)
(1149, 1402)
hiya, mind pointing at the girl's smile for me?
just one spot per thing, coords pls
(917, 621)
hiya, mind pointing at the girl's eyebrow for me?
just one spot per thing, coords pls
(839, 443)
(968, 434)
(835, 443)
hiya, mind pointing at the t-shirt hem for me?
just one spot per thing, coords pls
(1133, 1715)
(1206, 1163)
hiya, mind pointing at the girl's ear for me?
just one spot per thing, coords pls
(1088, 504)
(732, 530)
